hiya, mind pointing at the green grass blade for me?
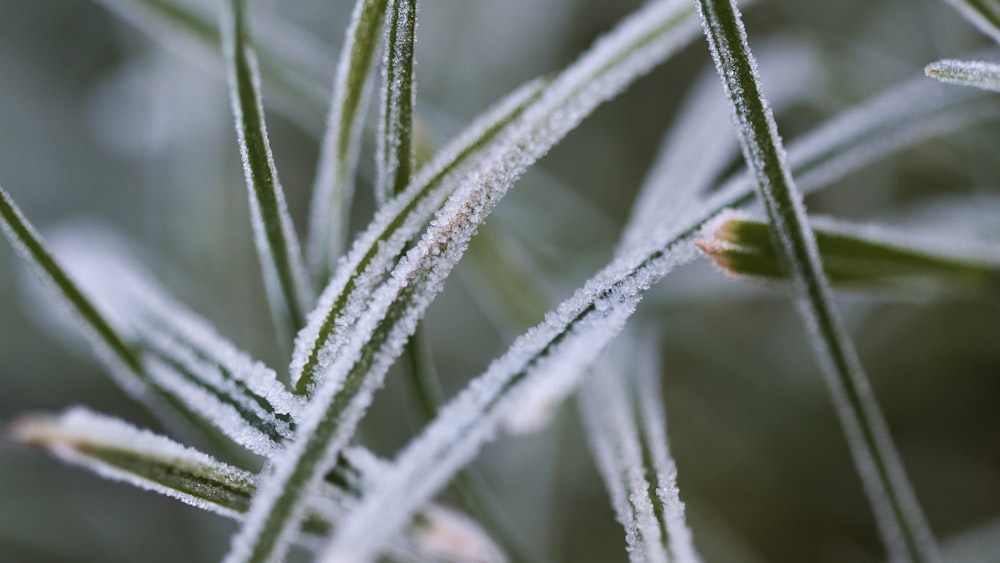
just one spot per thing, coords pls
(293, 65)
(978, 74)
(984, 14)
(904, 529)
(395, 156)
(334, 186)
(285, 276)
(856, 256)
(119, 451)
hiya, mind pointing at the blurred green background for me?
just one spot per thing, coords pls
(99, 122)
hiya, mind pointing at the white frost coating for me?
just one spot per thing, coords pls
(980, 74)
(333, 188)
(648, 397)
(288, 289)
(899, 518)
(700, 144)
(70, 434)
(976, 13)
(394, 151)
(395, 223)
(611, 430)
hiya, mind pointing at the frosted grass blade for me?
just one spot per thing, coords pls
(901, 522)
(857, 256)
(984, 14)
(623, 414)
(333, 189)
(548, 360)
(294, 65)
(285, 277)
(119, 451)
(395, 157)
(978, 74)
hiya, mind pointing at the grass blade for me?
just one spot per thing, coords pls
(334, 186)
(395, 156)
(549, 359)
(119, 451)
(623, 414)
(856, 256)
(285, 276)
(984, 14)
(978, 74)
(294, 66)
(904, 530)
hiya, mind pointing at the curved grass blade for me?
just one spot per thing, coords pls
(984, 14)
(285, 278)
(395, 155)
(294, 65)
(550, 358)
(978, 74)
(856, 256)
(904, 529)
(334, 186)
(623, 414)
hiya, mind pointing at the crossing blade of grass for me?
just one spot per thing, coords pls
(904, 529)
(572, 336)
(285, 278)
(978, 74)
(858, 256)
(294, 66)
(395, 156)
(984, 14)
(333, 189)
(623, 414)
(390, 315)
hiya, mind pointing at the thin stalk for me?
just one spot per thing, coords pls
(285, 278)
(904, 529)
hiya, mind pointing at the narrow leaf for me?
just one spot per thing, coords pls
(294, 65)
(546, 362)
(395, 156)
(642, 41)
(984, 14)
(334, 186)
(856, 256)
(623, 413)
(904, 530)
(277, 245)
(979, 74)
(122, 452)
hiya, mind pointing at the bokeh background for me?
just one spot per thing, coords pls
(99, 122)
